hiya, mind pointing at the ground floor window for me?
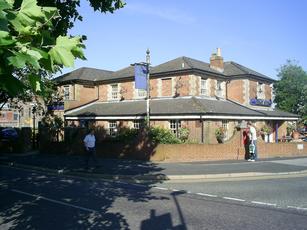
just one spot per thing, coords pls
(174, 126)
(225, 127)
(136, 124)
(112, 128)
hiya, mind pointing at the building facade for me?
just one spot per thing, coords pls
(184, 93)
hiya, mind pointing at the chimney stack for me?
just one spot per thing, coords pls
(216, 61)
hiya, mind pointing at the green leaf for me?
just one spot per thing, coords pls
(6, 39)
(21, 59)
(62, 53)
(4, 5)
(35, 83)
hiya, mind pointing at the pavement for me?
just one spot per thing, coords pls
(122, 169)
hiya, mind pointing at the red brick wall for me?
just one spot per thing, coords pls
(183, 85)
(232, 150)
(126, 89)
(82, 96)
(268, 92)
(252, 89)
(154, 88)
(103, 92)
(236, 90)
(167, 87)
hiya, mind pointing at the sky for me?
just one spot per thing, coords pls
(259, 34)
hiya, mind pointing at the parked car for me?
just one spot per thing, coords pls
(8, 134)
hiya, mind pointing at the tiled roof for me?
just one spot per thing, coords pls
(85, 74)
(166, 106)
(178, 64)
(234, 69)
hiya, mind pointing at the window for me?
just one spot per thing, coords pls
(136, 124)
(112, 128)
(173, 126)
(219, 88)
(141, 93)
(114, 91)
(225, 126)
(260, 90)
(66, 92)
(203, 87)
(219, 85)
(15, 116)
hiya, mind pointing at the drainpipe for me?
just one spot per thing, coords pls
(202, 129)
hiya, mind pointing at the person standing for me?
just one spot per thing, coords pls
(253, 140)
(90, 147)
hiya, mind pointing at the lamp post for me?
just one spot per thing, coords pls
(148, 87)
(146, 65)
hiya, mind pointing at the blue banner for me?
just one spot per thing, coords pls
(260, 102)
(140, 74)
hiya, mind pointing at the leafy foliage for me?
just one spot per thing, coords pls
(291, 90)
(34, 43)
(163, 136)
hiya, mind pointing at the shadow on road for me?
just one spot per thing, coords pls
(34, 200)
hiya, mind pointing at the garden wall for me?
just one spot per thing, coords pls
(231, 150)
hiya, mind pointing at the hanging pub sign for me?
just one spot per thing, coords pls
(56, 106)
(260, 102)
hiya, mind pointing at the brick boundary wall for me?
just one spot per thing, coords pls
(231, 150)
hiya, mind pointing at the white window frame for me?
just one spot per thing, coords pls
(219, 88)
(203, 86)
(136, 124)
(114, 91)
(260, 90)
(225, 126)
(66, 92)
(112, 128)
(173, 127)
(141, 93)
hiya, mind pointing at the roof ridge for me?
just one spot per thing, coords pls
(240, 67)
(186, 60)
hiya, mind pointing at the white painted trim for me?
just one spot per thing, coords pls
(181, 117)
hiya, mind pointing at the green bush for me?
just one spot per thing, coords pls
(163, 136)
(127, 134)
(184, 134)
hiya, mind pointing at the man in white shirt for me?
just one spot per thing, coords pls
(89, 144)
(253, 140)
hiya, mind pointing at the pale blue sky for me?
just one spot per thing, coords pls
(259, 34)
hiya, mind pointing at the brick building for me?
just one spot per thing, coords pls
(184, 92)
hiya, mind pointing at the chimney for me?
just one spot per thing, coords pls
(216, 61)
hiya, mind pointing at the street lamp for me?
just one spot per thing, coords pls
(146, 64)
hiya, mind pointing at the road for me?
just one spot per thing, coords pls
(36, 200)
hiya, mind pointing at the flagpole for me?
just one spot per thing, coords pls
(148, 87)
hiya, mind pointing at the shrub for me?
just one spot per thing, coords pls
(163, 136)
(126, 134)
(184, 134)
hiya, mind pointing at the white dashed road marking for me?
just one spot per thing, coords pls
(54, 201)
(205, 194)
(263, 203)
(232, 198)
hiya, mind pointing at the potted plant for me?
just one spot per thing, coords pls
(220, 134)
(266, 131)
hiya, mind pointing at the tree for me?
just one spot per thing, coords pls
(291, 90)
(34, 43)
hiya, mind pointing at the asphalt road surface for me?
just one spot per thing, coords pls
(35, 200)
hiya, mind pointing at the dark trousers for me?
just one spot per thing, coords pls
(90, 153)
